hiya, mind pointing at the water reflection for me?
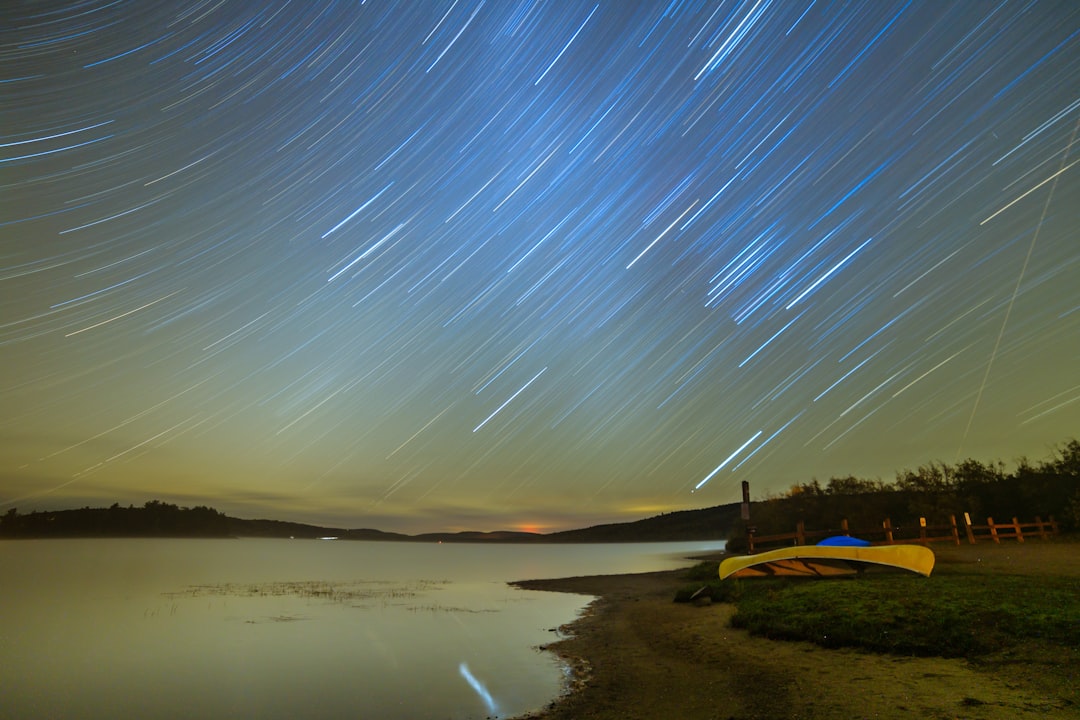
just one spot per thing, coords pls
(276, 629)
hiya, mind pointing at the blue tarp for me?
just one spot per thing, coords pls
(844, 541)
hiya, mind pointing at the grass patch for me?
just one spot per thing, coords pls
(703, 580)
(947, 615)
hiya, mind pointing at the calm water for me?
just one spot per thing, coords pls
(288, 629)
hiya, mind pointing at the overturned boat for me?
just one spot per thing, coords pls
(828, 560)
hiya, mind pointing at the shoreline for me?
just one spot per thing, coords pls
(635, 653)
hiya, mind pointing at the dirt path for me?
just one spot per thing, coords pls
(637, 654)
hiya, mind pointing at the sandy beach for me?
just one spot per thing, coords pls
(637, 654)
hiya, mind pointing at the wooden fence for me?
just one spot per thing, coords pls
(921, 534)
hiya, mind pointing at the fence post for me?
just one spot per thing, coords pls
(1042, 527)
(749, 541)
(844, 526)
(968, 530)
(888, 530)
(1019, 532)
(1053, 526)
(922, 530)
(800, 533)
(955, 530)
(993, 530)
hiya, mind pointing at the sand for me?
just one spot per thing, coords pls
(635, 653)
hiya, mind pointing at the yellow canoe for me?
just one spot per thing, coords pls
(827, 561)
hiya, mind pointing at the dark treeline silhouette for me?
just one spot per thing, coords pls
(934, 491)
(154, 519)
(160, 519)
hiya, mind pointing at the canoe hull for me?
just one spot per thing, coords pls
(826, 561)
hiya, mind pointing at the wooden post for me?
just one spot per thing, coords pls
(844, 527)
(745, 515)
(1019, 532)
(922, 530)
(888, 530)
(1053, 526)
(1042, 527)
(800, 533)
(968, 530)
(993, 530)
(955, 530)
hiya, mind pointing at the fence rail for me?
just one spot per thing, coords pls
(922, 534)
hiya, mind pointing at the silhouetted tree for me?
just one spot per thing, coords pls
(934, 491)
(8, 522)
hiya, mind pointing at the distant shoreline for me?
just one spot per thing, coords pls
(156, 519)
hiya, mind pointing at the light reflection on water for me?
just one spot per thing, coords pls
(277, 628)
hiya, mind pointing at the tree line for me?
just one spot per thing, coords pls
(153, 519)
(934, 491)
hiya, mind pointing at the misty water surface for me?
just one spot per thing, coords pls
(287, 629)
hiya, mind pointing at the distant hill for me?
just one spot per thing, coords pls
(158, 519)
(713, 523)
(499, 536)
(282, 529)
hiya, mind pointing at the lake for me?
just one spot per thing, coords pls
(263, 628)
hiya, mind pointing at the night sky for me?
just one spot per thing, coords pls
(517, 264)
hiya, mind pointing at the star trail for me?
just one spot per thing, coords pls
(445, 265)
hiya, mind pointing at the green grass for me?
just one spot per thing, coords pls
(948, 615)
